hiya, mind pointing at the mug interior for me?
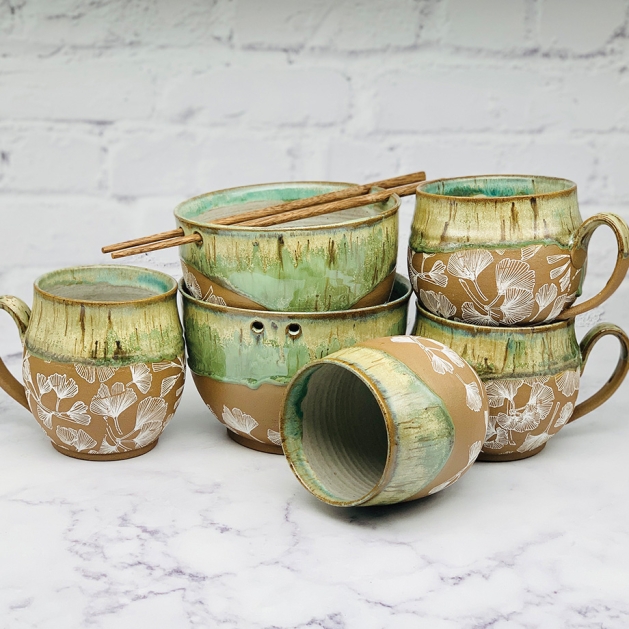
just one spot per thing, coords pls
(105, 283)
(335, 422)
(223, 203)
(496, 186)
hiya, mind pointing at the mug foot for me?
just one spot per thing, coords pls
(511, 456)
(255, 445)
(116, 456)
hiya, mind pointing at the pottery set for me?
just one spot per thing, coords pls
(294, 322)
(104, 364)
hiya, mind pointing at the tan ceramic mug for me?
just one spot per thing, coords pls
(103, 365)
(505, 249)
(531, 375)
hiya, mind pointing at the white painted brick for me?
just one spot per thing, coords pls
(260, 96)
(47, 160)
(471, 99)
(594, 100)
(360, 161)
(579, 26)
(154, 163)
(281, 24)
(614, 164)
(368, 25)
(488, 24)
(83, 89)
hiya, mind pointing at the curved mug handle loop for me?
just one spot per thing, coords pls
(580, 242)
(21, 314)
(622, 367)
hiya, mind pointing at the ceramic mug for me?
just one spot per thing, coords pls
(241, 360)
(531, 375)
(389, 420)
(103, 365)
(502, 250)
(334, 262)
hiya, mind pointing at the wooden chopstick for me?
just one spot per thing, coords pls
(142, 241)
(162, 244)
(328, 208)
(328, 197)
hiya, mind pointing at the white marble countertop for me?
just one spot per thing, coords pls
(202, 532)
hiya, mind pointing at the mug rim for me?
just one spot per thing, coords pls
(571, 188)
(484, 329)
(367, 220)
(315, 314)
(162, 296)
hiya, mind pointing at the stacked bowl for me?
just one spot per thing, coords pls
(261, 303)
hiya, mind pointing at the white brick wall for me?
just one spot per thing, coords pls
(112, 112)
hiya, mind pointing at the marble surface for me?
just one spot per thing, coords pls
(202, 532)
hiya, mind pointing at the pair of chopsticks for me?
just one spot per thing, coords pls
(344, 199)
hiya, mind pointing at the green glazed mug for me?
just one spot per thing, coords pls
(506, 250)
(103, 367)
(531, 375)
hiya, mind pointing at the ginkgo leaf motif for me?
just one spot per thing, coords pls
(43, 384)
(239, 421)
(78, 439)
(512, 273)
(536, 409)
(499, 391)
(502, 439)
(112, 404)
(470, 263)
(474, 451)
(545, 295)
(191, 283)
(564, 416)
(45, 416)
(436, 275)
(452, 355)
(559, 305)
(89, 372)
(274, 437)
(500, 252)
(568, 382)
(531, 442)
(555, 273)
(107, 448)
(167, 364)
(26, 369)
(564, 282)
(150, 409)
(142, 377)
(528, 252)
(211, 298)
(402, 339)
(168, 383)
(556, 258)
(63, 387)
(439, 364)
(473, 397)
(517, 305)
(437, 303)
(469, 314)
(148, 433)
(78, 414)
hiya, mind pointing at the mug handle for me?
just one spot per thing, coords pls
(21, 314)
(622, 367)
(580, 242)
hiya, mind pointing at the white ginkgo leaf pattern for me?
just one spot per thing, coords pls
(43, 384)
(501, 390)
(555, 273)
(274, 437)
(142, 377)
(469, 314)
(437, 303)
(26, 369)
(211, 298)
(545, 295)
(150, 409)
(191, 283)
(402, 339)
(436, 275)
(439, 364)
(78, 439)
(89, 372)
(568, 382)
(168, 383)
(78, 414)
(148, 433)
(517, 305)
(564, 282)
(470, 263)
(473, 397)
(45, 416)
(556, 258)
(564, 416)
(512, 273)
(531, 442)
(528, 252)
(452, 355)
(112, 404)
(239, 421)
(559, 305)
(64, 387)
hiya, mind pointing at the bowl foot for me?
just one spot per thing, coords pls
(255, 445)
(116, 456)
(511, 456)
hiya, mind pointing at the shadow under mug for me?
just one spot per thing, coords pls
(505, 250)
(103, 366)
(531, 375)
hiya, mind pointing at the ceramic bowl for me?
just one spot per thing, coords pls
(388, 420)
(332, 262)
(241, 360)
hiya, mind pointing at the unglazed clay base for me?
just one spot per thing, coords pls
(116, 456)
(513, 456)
(254, 445)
